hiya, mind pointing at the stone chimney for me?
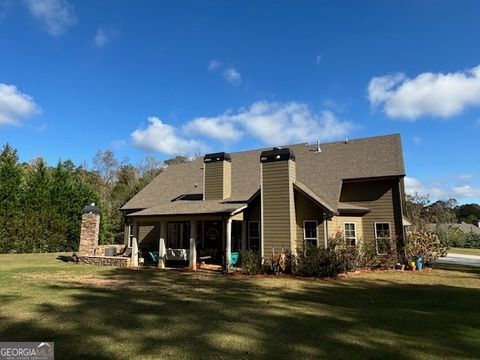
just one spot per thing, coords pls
(217, 176)
(278, 172)
(90, 230)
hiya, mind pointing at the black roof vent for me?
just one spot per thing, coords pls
(277, 154)
(220, 156)
(91, 209)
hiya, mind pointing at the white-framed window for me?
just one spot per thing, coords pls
(254, 235)
(383, 238)
(350, 231)
(310, 234)
(131, 234)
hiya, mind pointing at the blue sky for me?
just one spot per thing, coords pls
(151, 77)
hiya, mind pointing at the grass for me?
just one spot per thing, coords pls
(111, 313)
(464, 251)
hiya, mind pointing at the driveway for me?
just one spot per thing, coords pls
(459, 259)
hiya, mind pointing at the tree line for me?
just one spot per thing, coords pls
(40, 205)
(438, 217)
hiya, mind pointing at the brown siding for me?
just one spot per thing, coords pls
(148, 232)
(383, 200)
(253, 210)
(277, 197)
(307, 210)
(218, 180)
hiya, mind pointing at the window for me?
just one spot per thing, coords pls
(310, 232)
(130, 235)
(254, 235)
(350, 233)
(382, 238)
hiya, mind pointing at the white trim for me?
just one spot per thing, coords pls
(325, 230)
(131, 235)
(354, 229)
(239, 210)
(248, 233)
(203, 195)
(316, 231)
(375, 232)
(262, 250)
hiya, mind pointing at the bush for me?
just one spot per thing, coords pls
(472, 240)
(424, 244)
(344, 250)
(317, 262)
(369, 258)
(251, 262)
(450, 235)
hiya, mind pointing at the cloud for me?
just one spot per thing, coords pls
(164, 138)
(273, 123)
(428, 94)
(477, 123)
(213, 65)
(216, 128)
(232, 76)
(443, 189)
(101, 38)
(15, 105)
(318, 59)
(56, 15)
(417, 140)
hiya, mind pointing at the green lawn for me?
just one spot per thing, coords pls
(464, 251)
(110, 313)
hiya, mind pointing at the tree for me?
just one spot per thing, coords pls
(468, 212)
(415, 210)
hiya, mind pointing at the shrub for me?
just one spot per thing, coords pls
(472, 240)
(450, 235)
(370, 258)
(344, 250)
(251, 262)
(317, 262)
(424, 244)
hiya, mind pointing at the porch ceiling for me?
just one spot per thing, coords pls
(192, 208)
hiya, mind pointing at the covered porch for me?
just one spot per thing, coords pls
(188, 240)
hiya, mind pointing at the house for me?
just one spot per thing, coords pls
(464, 227)
(272, 200)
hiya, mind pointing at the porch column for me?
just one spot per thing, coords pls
(244, 235)
(162, 250)
(228, 246)
(193, 245)
(134, 252)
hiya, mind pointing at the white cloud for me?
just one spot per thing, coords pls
(232, 76)
(417, 140)
(101, 38)
(213, 65)
(318, 59)
(428, 94)
(56, 15)
(477, 123)
(15, 105)
(442, 189)
(273, 123)
(216, 128)
(164, 138)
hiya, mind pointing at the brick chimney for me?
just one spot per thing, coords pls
(278, 173)
(89, 230)
(217, 176)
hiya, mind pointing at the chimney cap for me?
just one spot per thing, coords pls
(91, 209)
(277, 154)
(219, 156)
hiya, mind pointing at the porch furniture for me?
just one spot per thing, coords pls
(153, 255)
(177, 254)
(234, 257)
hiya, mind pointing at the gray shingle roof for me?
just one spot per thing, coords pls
(322, 172)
